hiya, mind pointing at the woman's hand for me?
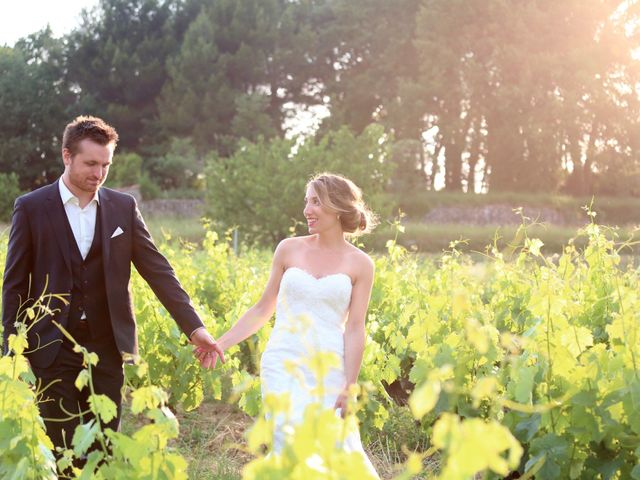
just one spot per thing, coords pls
(207, 358)
(206, 350)
(342, 402)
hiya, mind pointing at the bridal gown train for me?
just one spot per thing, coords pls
(310, 317)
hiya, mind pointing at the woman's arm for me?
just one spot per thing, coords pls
(256, 316)
(354, 333)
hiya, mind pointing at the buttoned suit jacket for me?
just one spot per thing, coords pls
(38, 261)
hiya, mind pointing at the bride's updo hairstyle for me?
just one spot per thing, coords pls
(345, 198)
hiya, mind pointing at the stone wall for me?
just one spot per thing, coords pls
(494, 215)
(174, 207)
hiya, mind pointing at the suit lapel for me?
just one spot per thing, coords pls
(57, 218)
(106, 218)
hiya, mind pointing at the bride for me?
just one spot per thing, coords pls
(320, 287)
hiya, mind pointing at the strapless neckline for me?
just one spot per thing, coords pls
(323, 277)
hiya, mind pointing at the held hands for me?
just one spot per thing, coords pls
(206, 348)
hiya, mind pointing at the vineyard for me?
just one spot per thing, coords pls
(518, 366)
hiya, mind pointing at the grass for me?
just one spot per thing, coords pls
(212, 441)
(168, 228)
(426, 238)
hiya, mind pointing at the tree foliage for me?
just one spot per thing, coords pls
(530, 96)
(125, 170)
(241, 61)
(180, 168)
(33, 99)
(534, 90)
(260, 189)
(10, 188)
(117, 60)
(480, 94)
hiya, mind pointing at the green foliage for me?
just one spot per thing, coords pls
(260, 188)
(149, 189)
(620, 175)
(409, 178)
(482, 94)
(310, 450)
(537, 355)
(10, 189)
(473, 90)
(486, 64)
(431, 238)
(126, 170)
(255, 189)
(252, 119)
(26, 449)
(33, 104)
(240, 62)
(117, 58)
(179, 168)
(220, 294)
(370, 45)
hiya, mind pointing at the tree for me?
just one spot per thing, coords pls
(180, 168)
(240, 62)
(367, 52)
(260, 188)
(530, 87)
(125, 170)
(117, 60)
(33, 99)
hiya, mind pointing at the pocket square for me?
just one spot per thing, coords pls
(116, 232)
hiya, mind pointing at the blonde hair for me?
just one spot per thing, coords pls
(341, 195)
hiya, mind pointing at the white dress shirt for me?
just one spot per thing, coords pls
(81, 220)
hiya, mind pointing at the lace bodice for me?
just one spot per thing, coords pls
(312, 309)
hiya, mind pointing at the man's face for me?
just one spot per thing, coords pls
(88, 168)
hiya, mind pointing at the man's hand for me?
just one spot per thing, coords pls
(207, 349)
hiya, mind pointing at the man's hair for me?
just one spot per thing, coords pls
(93, 128)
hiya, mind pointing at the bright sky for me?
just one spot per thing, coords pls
(19, 18)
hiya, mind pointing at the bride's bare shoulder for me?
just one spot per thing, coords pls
(291, 244)
(362, 261)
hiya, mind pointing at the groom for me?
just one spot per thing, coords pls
(73, 237)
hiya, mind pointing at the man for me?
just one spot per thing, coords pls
(73, 237)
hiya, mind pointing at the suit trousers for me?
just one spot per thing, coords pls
(62, 397)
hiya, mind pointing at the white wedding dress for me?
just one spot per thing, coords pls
(310, 317)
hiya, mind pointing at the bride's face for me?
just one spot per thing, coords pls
(319, 218)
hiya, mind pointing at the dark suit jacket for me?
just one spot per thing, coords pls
(38, 260)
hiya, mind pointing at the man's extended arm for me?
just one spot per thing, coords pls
(160, 276)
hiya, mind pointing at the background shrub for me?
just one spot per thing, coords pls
(126, 170)
(260, 189)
